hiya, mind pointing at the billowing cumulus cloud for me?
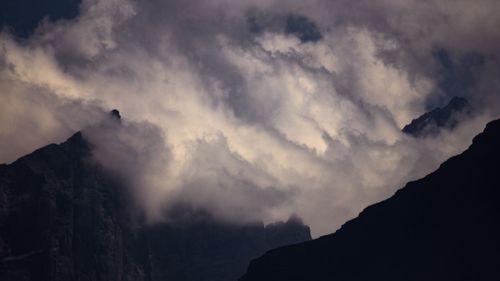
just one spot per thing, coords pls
(253, 110)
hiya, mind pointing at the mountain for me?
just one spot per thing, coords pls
(432, 122)
(64, 217)
(445, 226)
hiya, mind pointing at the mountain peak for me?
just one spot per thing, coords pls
(64, 217)
(448, 117)
(115, 114)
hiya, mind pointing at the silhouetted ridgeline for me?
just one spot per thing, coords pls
(445, 226)
(62, 217)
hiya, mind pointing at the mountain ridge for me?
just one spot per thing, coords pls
(447, 117)
(441, 227)
(64, 217)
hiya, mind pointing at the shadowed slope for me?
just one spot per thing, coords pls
(445, 226)
(63, 217)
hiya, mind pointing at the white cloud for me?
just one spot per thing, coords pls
(248, 125)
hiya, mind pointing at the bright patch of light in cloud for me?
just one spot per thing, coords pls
(249, 125)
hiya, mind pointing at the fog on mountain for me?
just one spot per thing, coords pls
(145, 140)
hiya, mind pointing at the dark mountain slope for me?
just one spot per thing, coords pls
(63, 217)
(445, 226)
(432, 122)
(60, 219)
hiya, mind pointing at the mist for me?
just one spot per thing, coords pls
(253, 110)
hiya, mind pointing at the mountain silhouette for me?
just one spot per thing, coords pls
(64, 217)
(445, 226)
(448, 117)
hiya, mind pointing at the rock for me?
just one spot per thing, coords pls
(63, 217)
(448, 117)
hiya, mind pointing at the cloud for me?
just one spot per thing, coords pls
(253, 110)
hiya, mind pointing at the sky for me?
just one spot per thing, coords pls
(251, 110)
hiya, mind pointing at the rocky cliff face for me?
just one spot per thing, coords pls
(445, 226)
(63, 217)
(448, 117)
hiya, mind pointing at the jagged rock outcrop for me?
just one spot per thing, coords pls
(448, 117)
(445, 226)
(63, 217)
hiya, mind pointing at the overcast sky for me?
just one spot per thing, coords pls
(253, 110)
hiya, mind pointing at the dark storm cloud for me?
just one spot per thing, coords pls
(256, 109)
(23, 16)
(303, 28)
(456, 76)
(296, 25)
